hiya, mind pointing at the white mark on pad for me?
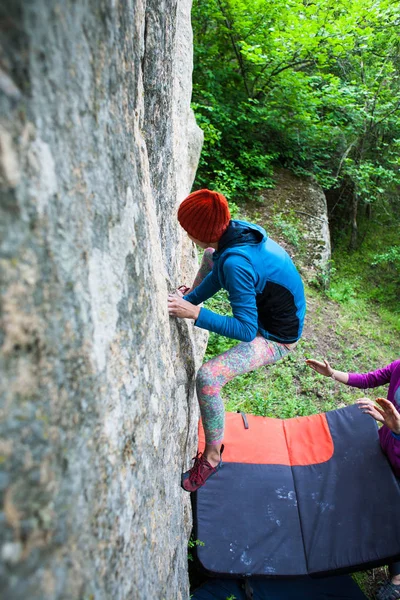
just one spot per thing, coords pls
(245, 559)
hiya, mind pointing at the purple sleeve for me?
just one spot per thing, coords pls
(372, 379)
(391, 447)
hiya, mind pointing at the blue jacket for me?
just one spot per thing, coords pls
(265, 289)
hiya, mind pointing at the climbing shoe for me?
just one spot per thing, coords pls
(199, 473)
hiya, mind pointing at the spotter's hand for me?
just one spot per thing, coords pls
(324, 368)
(383, 411)
(178, 307)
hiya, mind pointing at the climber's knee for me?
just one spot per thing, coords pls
(205, 377)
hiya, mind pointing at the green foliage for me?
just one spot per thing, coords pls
(217, 343)
(192, 543)
(313, 86)
(322, 280)
(390, 257)
(289, 230)
(372, 272)
(235, 169)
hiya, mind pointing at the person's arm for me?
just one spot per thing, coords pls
(186, 306)
(324, 368)
(385, 412)
(178, 307)
(372, 379)
(240, 284)
(391, 446)
(205, 290)
(359, 380)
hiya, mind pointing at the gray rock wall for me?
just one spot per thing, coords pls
(97, 147)
(300, 200)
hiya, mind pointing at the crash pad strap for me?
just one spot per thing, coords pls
(245, 421)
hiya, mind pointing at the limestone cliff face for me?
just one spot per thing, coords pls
(98, 146)
(303, 201)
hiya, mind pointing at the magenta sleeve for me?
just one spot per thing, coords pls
(391, 447)
(372, 379)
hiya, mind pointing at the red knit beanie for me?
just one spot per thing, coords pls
(204, 215)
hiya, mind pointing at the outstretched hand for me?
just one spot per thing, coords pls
(384, 411)
(324, 368)
(178, 307)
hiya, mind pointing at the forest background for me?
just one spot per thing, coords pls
(313, 87)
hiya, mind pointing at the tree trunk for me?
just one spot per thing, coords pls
(354, 228)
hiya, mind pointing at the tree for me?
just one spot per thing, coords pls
(313, 86)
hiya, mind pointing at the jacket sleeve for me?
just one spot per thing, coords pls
(372, 379)
(239, 280)
(391, 446)
(205, 290)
